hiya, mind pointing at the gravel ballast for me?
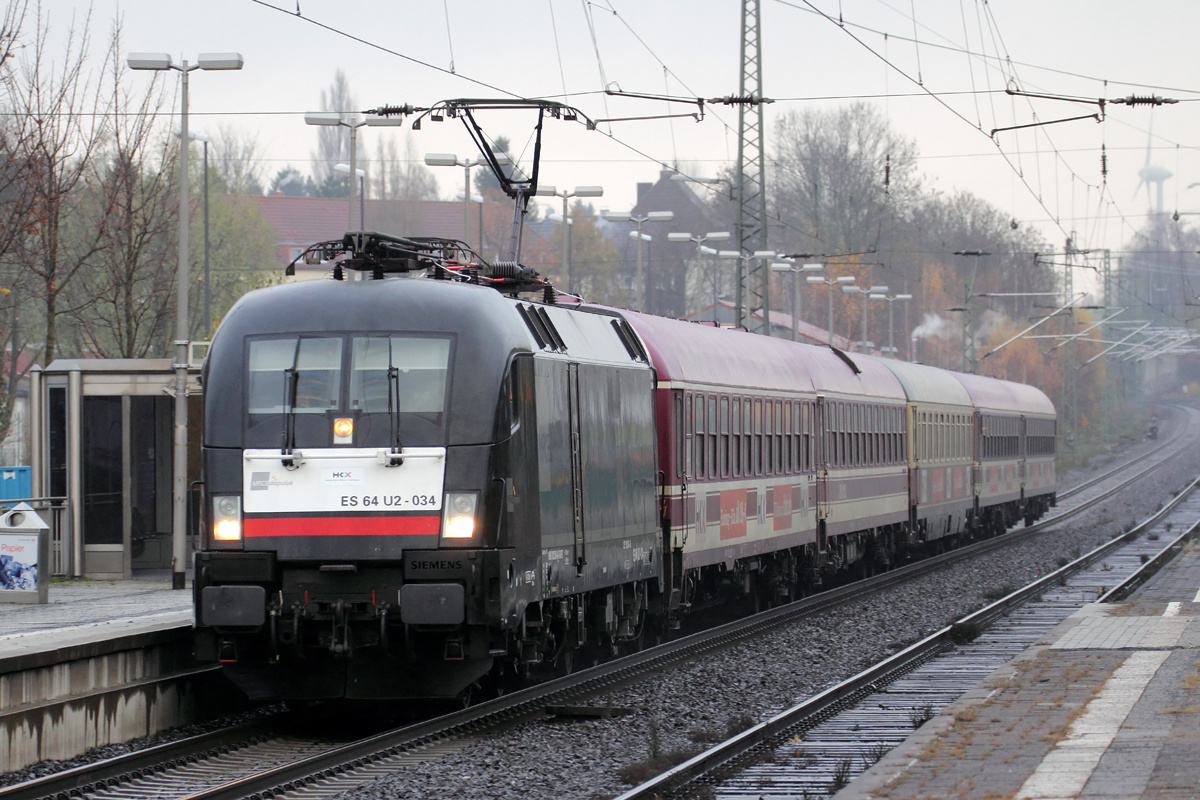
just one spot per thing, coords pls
(581, 760)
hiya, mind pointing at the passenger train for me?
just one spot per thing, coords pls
(420, 482)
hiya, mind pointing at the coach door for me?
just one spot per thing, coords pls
(684, 442)
(822, 468)
(573, 399)
(914, 489)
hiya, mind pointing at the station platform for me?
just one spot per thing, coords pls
(1106, 705)
(84, 613)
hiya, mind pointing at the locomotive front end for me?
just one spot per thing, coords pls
(351, 501)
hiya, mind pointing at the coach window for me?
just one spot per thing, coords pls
(852, 434)
(835, 424)
(847, 426)
(777, 438)
(725, 437)
(736, 437)
(711, 456)
(859, 436)
(748, 435)
(780, 430)
(892, 437)
(792, 410)
(756, 457)
(768, 436)
(875, 435)
(863, 427)
(849, 423)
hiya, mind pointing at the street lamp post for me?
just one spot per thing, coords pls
(701, 250)
(796, 296)
(353, 122)
(866, 293)
(649, 216)
(451, 160)
(160, 62)
(830, 282)
(361, 175)
(197, 136)
(580, 191)
(891, 301)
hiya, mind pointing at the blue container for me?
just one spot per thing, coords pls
(14, 483)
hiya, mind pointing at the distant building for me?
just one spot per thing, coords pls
(302, 221)
(781, 325)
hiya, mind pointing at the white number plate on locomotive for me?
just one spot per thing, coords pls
(345, 480)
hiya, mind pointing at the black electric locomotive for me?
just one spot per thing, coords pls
(394, 486)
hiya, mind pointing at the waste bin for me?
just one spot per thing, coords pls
(24, 556)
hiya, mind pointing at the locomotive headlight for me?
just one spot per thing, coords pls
(227, 518)
(459, 515)
(343, 430)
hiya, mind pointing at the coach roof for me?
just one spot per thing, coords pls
(702, 354)
(993, 394)
(925, 384)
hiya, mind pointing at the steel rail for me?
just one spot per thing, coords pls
(274, 781)
(277, 781)
(83, 779)
(853, 689)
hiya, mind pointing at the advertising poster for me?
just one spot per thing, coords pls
(18, 562)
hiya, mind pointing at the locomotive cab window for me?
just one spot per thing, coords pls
(362, 383)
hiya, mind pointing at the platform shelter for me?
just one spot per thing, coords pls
(102, 433)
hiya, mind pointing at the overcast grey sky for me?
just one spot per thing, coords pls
(966, 52)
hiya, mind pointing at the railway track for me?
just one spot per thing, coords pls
(251, 762)
(815, 748)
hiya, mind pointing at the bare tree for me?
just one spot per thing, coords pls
(60, 125)
(236, 157)
(14, 200)
(402, 178)
(333, 142)
(838, 173)
(131, 197)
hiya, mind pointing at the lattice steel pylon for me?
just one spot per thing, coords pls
(751, 184)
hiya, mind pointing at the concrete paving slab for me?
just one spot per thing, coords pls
(1106, 706)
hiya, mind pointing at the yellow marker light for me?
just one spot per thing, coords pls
(343, 430)
(228, 530)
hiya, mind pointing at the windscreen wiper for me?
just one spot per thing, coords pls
(290, 457)
(393, 458)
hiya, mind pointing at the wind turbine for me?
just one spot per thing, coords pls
(1152, 173)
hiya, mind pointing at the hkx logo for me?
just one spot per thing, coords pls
(340, 475)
